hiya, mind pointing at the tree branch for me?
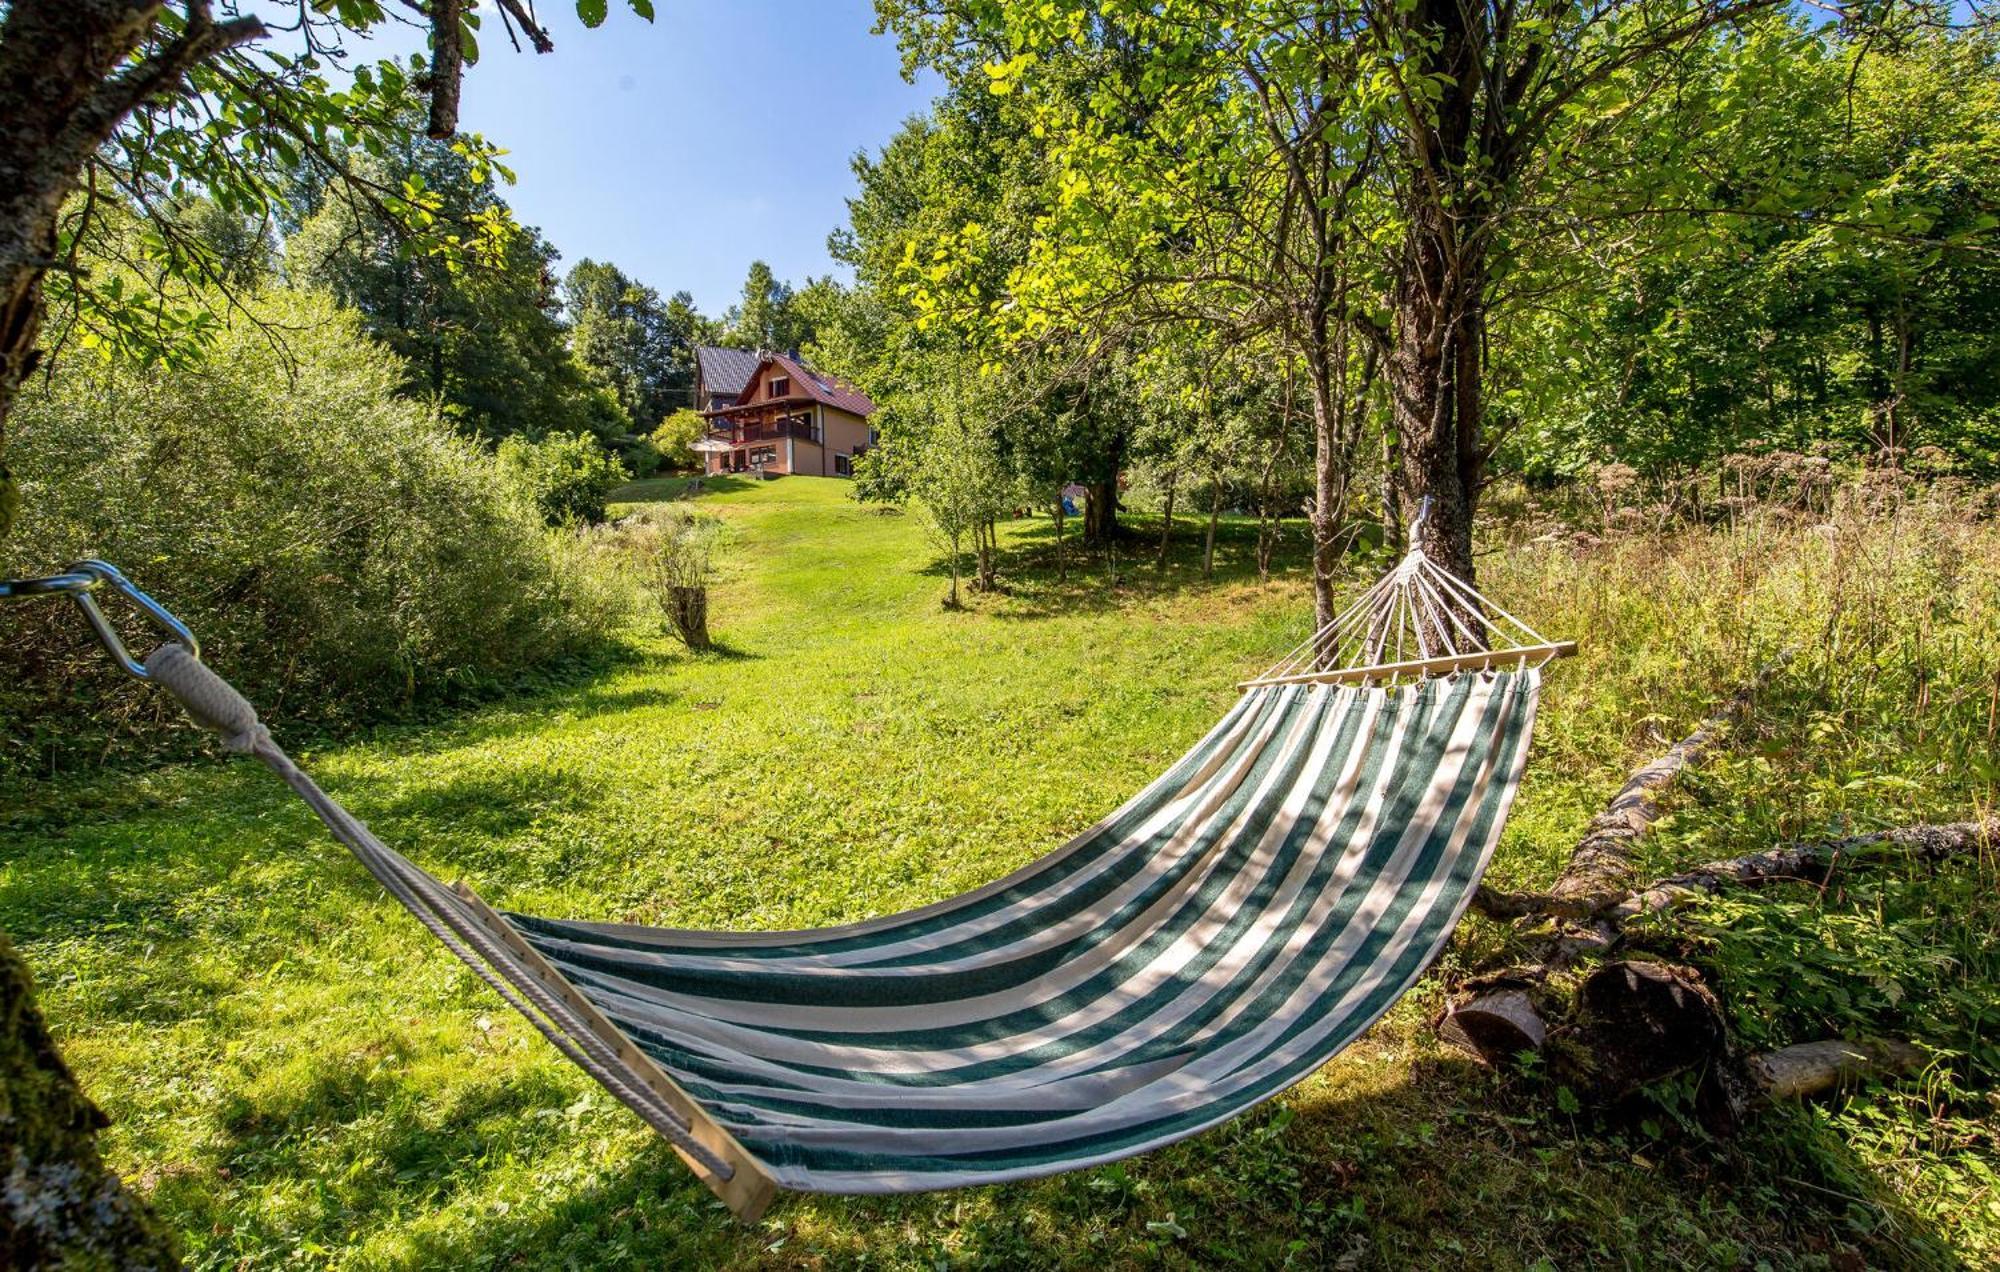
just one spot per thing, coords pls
(1602, 863)
(1809, 862)
(447, 68)
(536, 36)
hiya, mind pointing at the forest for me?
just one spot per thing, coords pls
(1671, 325)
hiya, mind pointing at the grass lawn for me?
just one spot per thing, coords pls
(299, 1075)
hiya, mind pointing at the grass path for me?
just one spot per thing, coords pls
(298, 1076)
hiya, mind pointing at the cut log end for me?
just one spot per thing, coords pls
(1494, 1026)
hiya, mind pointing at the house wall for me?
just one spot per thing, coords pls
(806, 459)
(843, 432)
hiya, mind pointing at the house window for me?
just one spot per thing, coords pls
(780, 385)
(843, 466)
(763, 455)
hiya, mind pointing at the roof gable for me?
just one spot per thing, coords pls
(806, 383)
(828, 389)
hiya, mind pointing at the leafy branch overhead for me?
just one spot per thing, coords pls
(268, 111)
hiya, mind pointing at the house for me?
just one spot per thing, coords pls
(788, 418)
(719, 375)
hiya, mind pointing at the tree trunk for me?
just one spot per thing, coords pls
(1062, 565)
(1434, 383)
(1167, 519)
(67, 81)
(1440, 291)
(1267, 533)
(984, 535)
(690, 616)
(1329, 493)
(1336, 432)
(1392, 492)
(1214, 515)
(61, 1207)
(1100, 512)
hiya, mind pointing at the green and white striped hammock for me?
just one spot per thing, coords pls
(1198, 951)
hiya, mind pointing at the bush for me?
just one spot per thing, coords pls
(338, 549)
(676, 437)
(568, 475)
(642, 458)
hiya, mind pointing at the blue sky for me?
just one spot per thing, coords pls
(684, 149)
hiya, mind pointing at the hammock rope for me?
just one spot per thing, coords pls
(1203, 948)
(1419, 607)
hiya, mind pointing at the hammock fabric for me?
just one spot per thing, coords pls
(1200, 950)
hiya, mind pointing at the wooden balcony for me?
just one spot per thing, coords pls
(767, 431)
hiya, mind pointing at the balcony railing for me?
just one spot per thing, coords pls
(768, 431)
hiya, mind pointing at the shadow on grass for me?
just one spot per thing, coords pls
(682, 486)
(494, 804)
(1042, 580)
(152, 877)
(1446, 1166)
(722, 651)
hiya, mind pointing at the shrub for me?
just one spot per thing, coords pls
(338, 549)
(676, 437)
(642, 458)
(568, 475)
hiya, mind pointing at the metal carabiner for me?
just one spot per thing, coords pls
(84, 578)
(1423, 515)
(159, 615)
(69, 583)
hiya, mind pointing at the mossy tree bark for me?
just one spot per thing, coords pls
(60, 1206)
(71, 71)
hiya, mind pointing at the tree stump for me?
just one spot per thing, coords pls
(689, 612)
(1637, 1023)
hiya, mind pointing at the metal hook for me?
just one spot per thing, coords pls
(84, 578)
(1417, 522)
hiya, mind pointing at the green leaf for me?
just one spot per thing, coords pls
(591, 11)
(644, 8)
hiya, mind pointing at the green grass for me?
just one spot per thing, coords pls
(298, 1075)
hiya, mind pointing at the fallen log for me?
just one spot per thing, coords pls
(1809, 863)
(1495, 1024)
(1495, 1020)
(1601, 865)
(1637, 1023)
(1495, 1017)
(1812, 1069)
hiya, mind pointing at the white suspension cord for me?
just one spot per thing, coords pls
(1417, 605)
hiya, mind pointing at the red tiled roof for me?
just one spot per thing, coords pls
(832, 390)
(817, 386)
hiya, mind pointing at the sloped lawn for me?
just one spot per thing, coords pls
(299, 1076)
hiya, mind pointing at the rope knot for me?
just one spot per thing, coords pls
(208, 699)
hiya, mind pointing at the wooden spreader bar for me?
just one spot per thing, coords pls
(1478, 660)
(749, 1190)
